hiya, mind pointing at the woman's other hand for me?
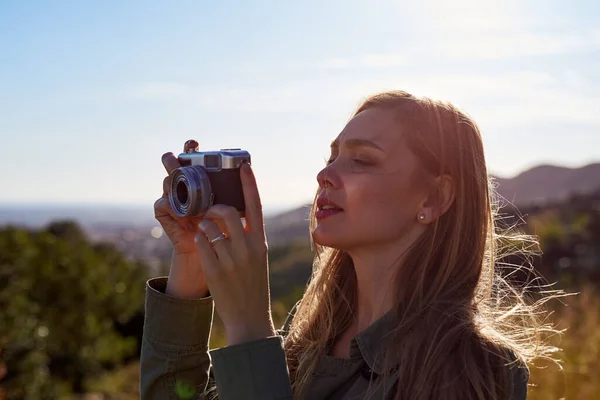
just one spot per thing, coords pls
(236, 268)
(186, 278)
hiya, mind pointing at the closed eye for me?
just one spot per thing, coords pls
(361, 162)
(354, 160)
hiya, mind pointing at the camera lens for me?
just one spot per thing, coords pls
(182, 193)
(190, 194)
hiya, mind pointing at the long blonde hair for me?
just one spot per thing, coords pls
(456, 311)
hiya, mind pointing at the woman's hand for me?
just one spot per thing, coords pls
(186, 278)
(236, 268)
(180, 230)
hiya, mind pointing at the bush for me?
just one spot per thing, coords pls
(60, 298)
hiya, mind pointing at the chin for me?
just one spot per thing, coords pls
(329, 238)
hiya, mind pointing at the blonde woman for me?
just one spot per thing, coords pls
(405, 300)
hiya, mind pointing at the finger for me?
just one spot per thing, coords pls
(170, 162)
(222, 247)
(254, 215)
(208, 258)
(220, 224)
(230, 217)
(166, 185)
(211, 230)
(163, 207)
(164, 213)
(191, 144)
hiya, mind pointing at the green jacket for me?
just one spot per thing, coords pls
(177, 365)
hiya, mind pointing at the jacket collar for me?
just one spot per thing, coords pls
(371, 341)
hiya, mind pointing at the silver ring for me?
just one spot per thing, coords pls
(216, 239)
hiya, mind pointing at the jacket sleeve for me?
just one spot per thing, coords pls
(176, 363)
(254, 370)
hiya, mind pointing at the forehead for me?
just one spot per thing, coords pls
(374, 125)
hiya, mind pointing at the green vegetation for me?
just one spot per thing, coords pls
(61, 299)
(580, 344)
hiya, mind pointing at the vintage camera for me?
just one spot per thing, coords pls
(206, 178)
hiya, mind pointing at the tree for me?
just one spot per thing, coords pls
(60, 298)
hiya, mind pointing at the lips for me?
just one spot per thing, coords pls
(324, 202)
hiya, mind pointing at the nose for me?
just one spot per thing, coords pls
(328, 178)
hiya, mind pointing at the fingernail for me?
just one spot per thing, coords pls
(246, 168)
(203, 225)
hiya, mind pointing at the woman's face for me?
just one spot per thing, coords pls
(369, 176)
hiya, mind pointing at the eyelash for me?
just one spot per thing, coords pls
(360, 162)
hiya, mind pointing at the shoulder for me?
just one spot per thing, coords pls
(518, 377)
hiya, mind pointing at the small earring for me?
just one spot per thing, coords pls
(422, 217)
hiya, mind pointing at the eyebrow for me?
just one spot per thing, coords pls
(357, 143)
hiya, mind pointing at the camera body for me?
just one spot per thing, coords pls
(206, 178)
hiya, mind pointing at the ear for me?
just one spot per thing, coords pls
(439, 201)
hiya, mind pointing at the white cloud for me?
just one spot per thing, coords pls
(160, 91)
(469, 15)
(334, 63)
(508, 99)
(512, 45)
(499, 29)
(464, 45)
(383, 60)
(502, 99)
(364, 61)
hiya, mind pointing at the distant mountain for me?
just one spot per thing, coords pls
(539, 185)
(548, 183)
(88, 215)
(288, 226)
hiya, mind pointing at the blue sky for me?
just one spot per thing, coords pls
(92, 93)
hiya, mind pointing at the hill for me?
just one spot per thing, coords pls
(549, 183)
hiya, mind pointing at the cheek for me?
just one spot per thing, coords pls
(380, 200)
(377, 209)
(373, 191)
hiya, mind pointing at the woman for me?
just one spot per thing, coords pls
(405, 301)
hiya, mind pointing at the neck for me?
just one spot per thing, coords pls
(375, 266)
